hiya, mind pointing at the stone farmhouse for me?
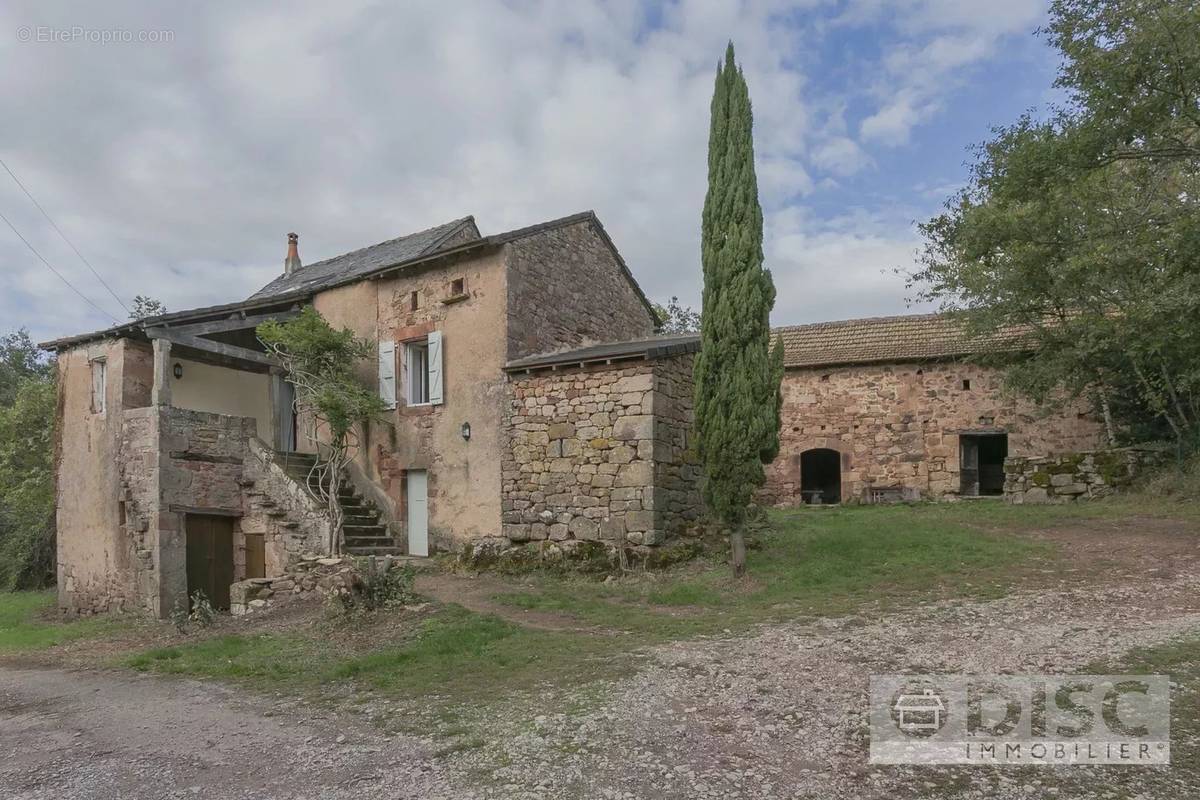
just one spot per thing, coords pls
(531, 404)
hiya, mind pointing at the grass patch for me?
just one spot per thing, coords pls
(807, 561)
(453, 652)
(264, 658)
(25, 625)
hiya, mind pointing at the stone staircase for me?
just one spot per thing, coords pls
(365, 534)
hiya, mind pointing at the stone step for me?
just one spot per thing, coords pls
(375, 551)
(370, 541)
(364, 530)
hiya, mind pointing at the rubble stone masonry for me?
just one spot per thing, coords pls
(600, 454)
(898, 425)
(566, 289)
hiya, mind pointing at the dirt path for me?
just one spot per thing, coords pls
(477, 593)
(123, 736)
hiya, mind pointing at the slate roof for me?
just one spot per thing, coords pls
(343, 268)
(655, 347)
(456, 237)
(912, 337)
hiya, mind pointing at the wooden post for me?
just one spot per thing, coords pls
(161, 393)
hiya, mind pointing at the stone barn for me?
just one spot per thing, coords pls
(894, 408)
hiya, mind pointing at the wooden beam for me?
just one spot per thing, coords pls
(209, 346)
(235, 323)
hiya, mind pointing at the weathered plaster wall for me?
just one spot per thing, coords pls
(96, 565)
(899, 425)
(464, 476)
(566, 288)
(599, 454)
(220, 390)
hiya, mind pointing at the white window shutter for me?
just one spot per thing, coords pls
(435, 368)
(387, 373)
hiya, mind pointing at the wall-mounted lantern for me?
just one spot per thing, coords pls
(177, 370)
(466, 431)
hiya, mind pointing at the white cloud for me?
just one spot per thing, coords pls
(932, 47)
(841, 156)
(178, 168)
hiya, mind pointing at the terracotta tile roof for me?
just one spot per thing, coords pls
(913, 337)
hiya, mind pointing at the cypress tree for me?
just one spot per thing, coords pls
(737, 372)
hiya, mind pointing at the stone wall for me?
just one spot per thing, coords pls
(463, 474)
(898, 425)
(292, 522)
(98, 565)
(600, 454)
(173, 462)
(567, 287)
(1076, 476)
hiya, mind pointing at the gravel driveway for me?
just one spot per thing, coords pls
(776, 714)
(75, 735)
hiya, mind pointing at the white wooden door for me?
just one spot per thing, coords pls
(418, 512)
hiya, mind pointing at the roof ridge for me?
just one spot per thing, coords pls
(451, 229)
(550, 224)
(857, 320)
(452, 223)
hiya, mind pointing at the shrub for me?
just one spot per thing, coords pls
(1176, 479)
(380, 587)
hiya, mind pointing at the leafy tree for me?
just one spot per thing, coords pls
(676, 318)
(320, 363)
(1083, 229)
(737, 373)
(19, 359)
(27, 486)
(145, 306)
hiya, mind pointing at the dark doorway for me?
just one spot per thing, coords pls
(821, 476)
(981, 463)
(210, 558)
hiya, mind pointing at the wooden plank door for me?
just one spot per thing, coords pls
(968, 465)
(418, 512)
(210, 558)
(256, 556)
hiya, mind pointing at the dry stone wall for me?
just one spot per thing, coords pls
(1076, 476)
(599, 454)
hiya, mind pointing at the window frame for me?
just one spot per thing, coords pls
(99, 375)
(411, 375)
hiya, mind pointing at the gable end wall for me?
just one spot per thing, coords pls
(566, 288)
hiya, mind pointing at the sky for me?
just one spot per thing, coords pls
(177, 155)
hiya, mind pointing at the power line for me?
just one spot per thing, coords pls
(33, 250)
(64, 236)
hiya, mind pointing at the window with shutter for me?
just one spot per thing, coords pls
(435, 367)
(387, 373)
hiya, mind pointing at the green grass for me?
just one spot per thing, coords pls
(23, 627)
(454, 651)
(810, 561)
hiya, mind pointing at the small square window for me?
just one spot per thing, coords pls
(966, 384)
(414, 301)
(458, 287)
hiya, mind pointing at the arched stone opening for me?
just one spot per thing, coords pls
(821, 476)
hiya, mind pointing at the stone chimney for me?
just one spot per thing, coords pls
(292, 262)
